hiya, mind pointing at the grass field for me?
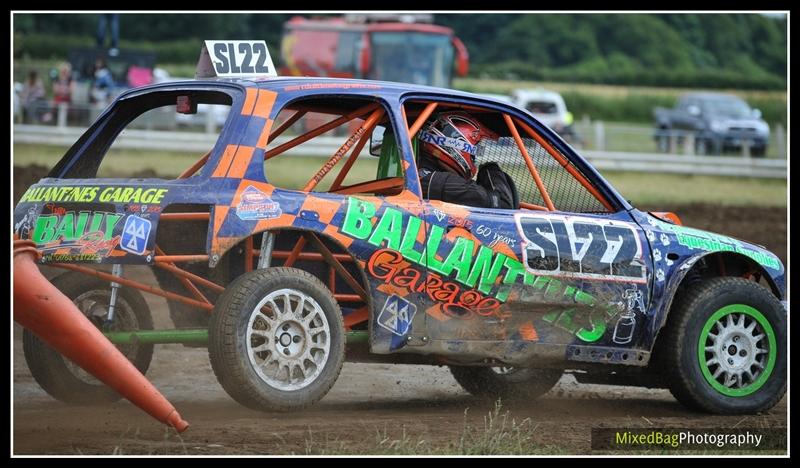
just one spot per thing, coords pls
(293, 172)
(505, 86)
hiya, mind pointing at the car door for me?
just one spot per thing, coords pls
(563, 270)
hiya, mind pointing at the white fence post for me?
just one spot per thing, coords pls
(62, 115)
(780, 141)
(210, 124)
(599, 136)
(688, 144)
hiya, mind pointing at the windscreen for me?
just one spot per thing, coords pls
(732, 108)
(412, 57)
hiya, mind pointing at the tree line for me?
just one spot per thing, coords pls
(683, 50)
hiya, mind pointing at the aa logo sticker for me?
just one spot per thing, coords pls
(135, 234)
(397, 314)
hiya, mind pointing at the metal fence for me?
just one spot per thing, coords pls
(200, 142)
(605, 136)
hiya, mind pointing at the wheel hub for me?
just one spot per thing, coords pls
(735, 350)
(288, 339)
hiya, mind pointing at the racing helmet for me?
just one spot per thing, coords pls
(451, 140)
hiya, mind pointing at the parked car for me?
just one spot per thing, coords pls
(718, 122)
(280, 280)
(549, 107)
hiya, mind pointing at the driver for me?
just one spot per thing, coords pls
(448, 146)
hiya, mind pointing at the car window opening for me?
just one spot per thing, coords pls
(545, 178)
(353, 129)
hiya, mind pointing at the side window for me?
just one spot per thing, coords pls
(562, 186)
(170, 121)
(566, 193)
(322, 144)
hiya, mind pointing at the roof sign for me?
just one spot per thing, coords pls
(231, 59)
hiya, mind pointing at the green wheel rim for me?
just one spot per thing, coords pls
(722, 345)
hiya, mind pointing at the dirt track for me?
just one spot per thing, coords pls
(368, 399)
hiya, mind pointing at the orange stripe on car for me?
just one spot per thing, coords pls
(264, 138)
(240, 162)
(264, 103)
(249, 101)
(220, 212)
(224, 162)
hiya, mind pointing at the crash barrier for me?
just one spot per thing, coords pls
(326, 146)
(610, 136)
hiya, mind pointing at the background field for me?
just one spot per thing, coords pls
(641, 189)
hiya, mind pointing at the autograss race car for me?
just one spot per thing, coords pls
(284, 268)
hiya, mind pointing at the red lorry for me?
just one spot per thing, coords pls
(404, 48)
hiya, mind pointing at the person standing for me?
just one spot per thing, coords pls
(107, 19)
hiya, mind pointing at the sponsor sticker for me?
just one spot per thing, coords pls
(135, 234)
(397, 314)
(255, 204)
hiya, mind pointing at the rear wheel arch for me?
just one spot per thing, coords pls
(326, 239)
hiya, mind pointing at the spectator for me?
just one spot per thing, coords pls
(105, 20)
(33, 97)
(63, 87)
(102, 82)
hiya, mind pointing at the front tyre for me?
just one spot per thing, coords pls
(724, 347)
(276, 340)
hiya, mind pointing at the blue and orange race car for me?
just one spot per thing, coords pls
(349, 260)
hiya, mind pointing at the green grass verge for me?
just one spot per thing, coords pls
(294, 172)
(500, 434)
(677, 189)
(624, 103)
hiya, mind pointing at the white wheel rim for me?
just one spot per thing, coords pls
(288, 339)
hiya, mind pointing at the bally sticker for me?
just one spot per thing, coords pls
(255, 204)
(397, 314)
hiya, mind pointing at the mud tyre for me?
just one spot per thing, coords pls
(277, 339)
(723, 350)
(60, 377)
(506, 383)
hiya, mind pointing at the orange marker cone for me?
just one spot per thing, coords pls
(42, 308)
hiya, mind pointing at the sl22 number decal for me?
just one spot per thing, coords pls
(577, 247)
(236, 58)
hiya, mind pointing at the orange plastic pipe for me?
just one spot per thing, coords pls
(337, 182)
(320, 130)
(334, 160)
(288, 123)
(43, 309)
(179, 258)
(565, 164)
(135, 284)
(531, 206)
(185, 281)
(529, 162)
(197, 165)
(421, 119)
(184, 216)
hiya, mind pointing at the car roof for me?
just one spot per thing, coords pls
(538, 94)
(335, 84)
